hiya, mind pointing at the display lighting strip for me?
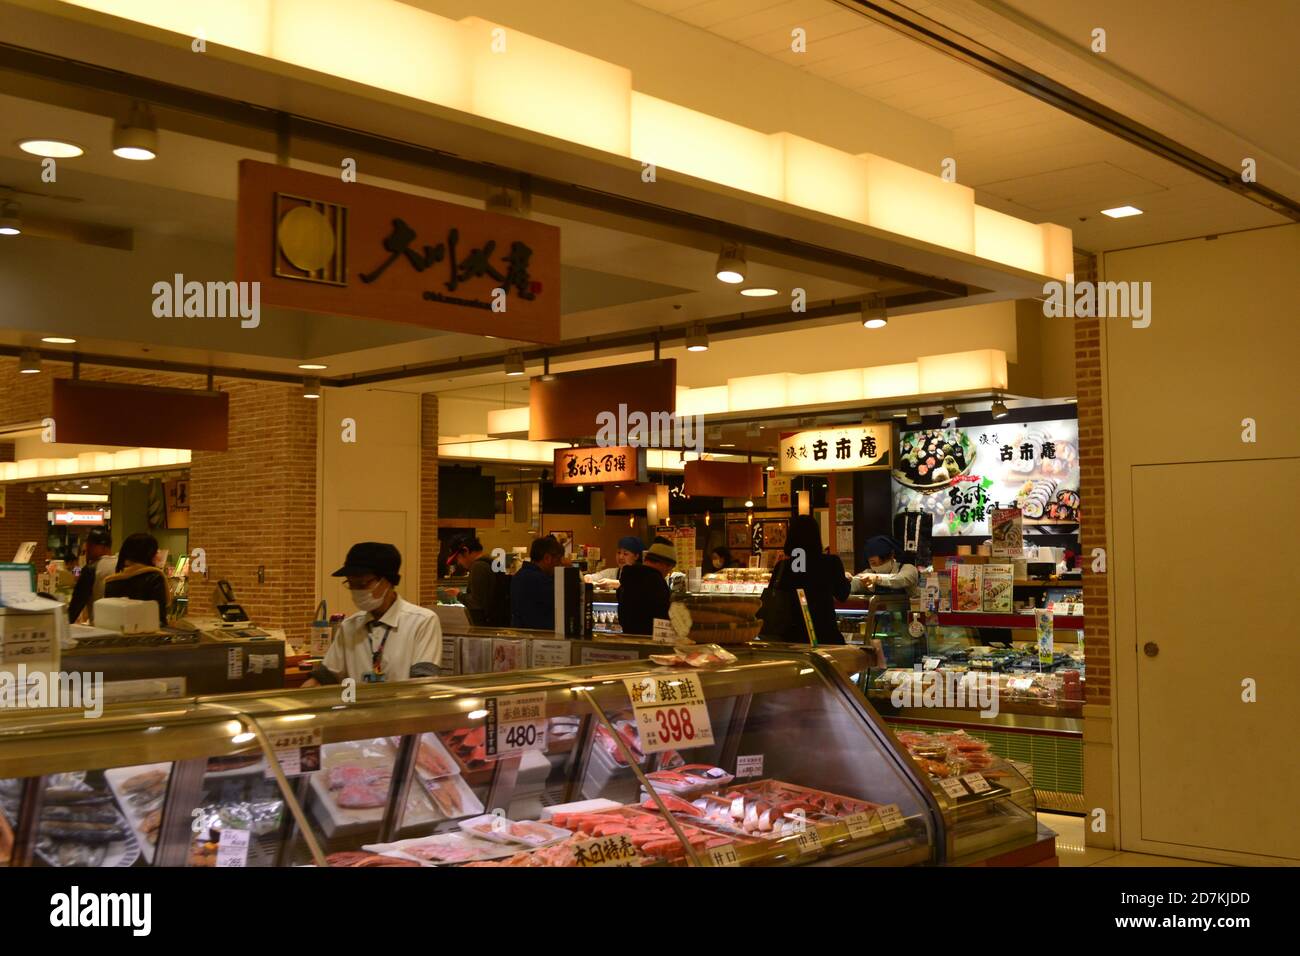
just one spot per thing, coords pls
(500, 74)
(94, 462)
(484, 448)
(947, 374)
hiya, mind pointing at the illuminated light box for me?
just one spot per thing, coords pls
(866, 447)
(8, 470)
(758, 391)
(959, 371)
(708, 400)
(28, 468)
(823, 178)
(697, 144)
(1009, 240)
(820, 388)
(508, 421)
(1058, 250)
(548, 88)
(888, 381)
(909, 202)
(381, 43)
(65, 466)
(242, 24)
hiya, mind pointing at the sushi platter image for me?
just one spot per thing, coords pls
(931, 459)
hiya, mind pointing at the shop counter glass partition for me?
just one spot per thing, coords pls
(774, 758)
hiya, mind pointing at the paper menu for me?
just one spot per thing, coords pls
(968, 593)
(996, 587)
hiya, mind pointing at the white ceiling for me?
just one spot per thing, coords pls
(1195, 70)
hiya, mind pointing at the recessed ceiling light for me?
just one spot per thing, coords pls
(58, 340)
(29, 363)
(10, 224)
(728, 444)
(758, 293)
(50, 148)
(312, 367)
(1122, 212)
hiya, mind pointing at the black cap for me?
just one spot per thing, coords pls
(382, 560)
(100, 536)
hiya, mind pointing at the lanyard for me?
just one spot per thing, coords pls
(377, 654)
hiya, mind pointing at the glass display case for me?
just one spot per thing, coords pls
(770, 758)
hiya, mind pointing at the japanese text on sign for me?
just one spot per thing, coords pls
(609, 851)
(838, 449)
(514, 724)
(670, 712)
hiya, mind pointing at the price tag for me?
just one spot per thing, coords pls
(863, 825)
(750, 765)
(232, 848)
(671, 712)
(891, 817)
(234, 663)
(809, 840)
(724, 856)
(953, 788)
(664, 631)
(608, 851)
(977, 783)
(514, 724)
(932, 662)
(297, 752)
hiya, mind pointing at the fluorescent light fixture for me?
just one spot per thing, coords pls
(50, 148)
(29, 363)
(731, 264)
(697, 338)
(999, 408)
(311, 387)
(1122, 212)
(514, 363)
(59, 340)
(728, 444)
(950, 414)
(312, 367)
(758, 292)
(477, 714)
(137, 137)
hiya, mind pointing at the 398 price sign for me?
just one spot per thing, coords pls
(671, 712)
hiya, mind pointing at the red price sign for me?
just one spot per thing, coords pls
(670, 712)
(675, 724)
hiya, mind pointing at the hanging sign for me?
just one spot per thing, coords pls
(778, 490)
(856, 448)
(596, 466)
(319, 244)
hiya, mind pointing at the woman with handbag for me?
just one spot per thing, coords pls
(821, 577)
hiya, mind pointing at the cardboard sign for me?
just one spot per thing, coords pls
(319, 244)
(671, 713)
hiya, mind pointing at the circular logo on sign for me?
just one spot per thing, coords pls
(306, 238)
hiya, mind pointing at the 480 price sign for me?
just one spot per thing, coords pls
(670, 712)
(515, 724)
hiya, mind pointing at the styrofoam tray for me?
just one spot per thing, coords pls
(550, 834)
(115, 778)
(483, 849)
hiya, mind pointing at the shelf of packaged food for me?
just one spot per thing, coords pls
(1061, 622)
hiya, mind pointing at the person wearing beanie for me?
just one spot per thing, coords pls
(388, 638)
(886, 572)
(643, 593)
(628, 554)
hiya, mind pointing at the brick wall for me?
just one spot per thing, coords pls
(252, 505)
(429, 550)
(1092, 491)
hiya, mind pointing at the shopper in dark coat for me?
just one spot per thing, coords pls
(822, 578)
(137, 577)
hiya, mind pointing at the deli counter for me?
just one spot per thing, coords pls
(765, 757)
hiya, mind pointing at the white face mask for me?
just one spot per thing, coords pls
(364, 599)
(887, 567)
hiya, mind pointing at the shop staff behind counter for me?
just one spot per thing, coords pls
(389, 638)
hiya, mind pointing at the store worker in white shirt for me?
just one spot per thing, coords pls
(886, 573)
(389, 638)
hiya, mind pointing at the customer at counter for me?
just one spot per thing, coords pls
(532, 591)
(389, 638)
(467, 554)
(886, 574)
(137, 576)
(643, 592)
(822, 579)
(628, 553)
(99, 544)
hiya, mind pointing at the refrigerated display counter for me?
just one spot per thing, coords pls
(774, 758)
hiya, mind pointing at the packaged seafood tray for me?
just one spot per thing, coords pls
(647, 830)
(260, 816)
(500, 829)
(561, 734)
(689, 779)
(140, 791)
(81, 824)
(442, 849)
(769, 809)
(432, 759)
(557, 854)
(608, 779)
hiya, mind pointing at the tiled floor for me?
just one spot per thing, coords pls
(1070, 849)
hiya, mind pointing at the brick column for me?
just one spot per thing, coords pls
(429, 550)
(1092, 524)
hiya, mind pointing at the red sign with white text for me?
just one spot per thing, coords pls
(78, 517)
